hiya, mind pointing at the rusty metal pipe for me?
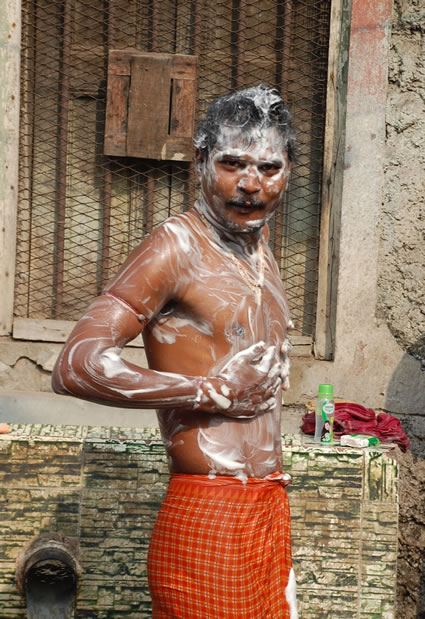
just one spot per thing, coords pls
(150, 193)
(196, 9)
(287, 35)
(283, 47)
(107, 172)
(61, 169)
(240, 59)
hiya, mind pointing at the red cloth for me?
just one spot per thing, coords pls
(351, 418)
(221, 549)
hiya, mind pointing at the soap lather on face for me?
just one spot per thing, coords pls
(244, 163)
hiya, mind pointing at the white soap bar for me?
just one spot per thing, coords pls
(358, 440)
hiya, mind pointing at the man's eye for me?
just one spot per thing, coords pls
(231, 163)
(270, 168)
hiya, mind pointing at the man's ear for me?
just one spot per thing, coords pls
(288, 170)
(199, 159)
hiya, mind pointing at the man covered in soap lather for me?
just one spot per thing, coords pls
(206, 292)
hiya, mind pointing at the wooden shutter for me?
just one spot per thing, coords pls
(150, 105)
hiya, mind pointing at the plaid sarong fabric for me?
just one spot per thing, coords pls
(221, 549)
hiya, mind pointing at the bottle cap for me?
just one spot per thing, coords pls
(326, 390)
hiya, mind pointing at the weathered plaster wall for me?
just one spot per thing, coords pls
(103, 486)
(402, 255)
(401, 291)
(26, 366)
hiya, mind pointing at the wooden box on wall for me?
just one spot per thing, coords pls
(150, 105)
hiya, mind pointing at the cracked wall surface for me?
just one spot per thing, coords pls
(402, 258)
(402, 274)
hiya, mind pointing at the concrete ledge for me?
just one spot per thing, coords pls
(50, 408)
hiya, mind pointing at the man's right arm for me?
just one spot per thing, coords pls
(90, 365)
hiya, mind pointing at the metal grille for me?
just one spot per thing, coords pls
(81, 212)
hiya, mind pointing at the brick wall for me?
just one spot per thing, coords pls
(104, 486)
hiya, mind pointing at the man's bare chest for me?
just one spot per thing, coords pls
(225, 300)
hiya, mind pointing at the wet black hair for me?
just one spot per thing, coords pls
(259, 106)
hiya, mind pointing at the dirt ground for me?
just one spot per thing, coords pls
(411, 555)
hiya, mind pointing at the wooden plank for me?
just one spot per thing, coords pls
(84, 217)
(9, 145)
(123, 202)
(177, 149)
(182, 107)
(42, 330)
(60, 330)
(26, 151)
(332, 180)
(119, 61)
(302, 345)
(301, 351)
(115, 140)
(50, 331)
(183, 26)
(183, 67)
(149, 105)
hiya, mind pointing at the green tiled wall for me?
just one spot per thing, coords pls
(104, 486)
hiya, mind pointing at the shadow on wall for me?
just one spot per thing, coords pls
(406, 399)
(406, 395)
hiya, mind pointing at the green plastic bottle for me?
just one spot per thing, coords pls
(325, 413)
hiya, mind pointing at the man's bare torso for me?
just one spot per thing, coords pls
(212, 316)
(205, 290)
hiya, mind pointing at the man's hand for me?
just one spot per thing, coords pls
(285, 363)
(247, 385)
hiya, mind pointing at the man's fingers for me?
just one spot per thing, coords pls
(268, 405)
(274, 387)
(245, 356)
(256, 350)
(277, 384)
(286, 347)
(276, 370)
(236, 415)
(264, 364)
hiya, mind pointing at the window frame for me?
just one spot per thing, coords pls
(321, 346)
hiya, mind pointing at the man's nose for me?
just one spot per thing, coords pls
(249, 182)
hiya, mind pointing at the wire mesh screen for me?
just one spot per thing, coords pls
(81, 212)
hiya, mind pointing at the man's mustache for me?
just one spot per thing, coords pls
(246, 203)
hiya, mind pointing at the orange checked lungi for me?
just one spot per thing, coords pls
(221, 548)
